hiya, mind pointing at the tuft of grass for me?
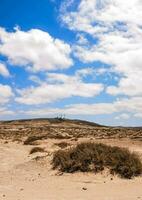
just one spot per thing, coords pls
(31, 139)
(36, 149)
(95, 157)
(62, 145)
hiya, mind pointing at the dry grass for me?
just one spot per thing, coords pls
(94, 157)
(31, 139)
(36, 149)
(62, 145)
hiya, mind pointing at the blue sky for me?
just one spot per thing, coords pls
(81, 59)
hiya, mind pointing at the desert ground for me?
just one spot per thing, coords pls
(25, 176)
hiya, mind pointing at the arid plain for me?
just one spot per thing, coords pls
(29, 176)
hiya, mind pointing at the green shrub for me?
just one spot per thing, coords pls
(94, 157)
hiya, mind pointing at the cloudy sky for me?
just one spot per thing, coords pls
(78, 58)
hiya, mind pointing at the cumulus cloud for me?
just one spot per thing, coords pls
(35, 49)
(117, 27)
(127, 107)
(138, 115)
(6, 111)
(124, 116)
(108, 31)
(130, 85)
(5, 93)
(97, 16)
(132, 105)
(3, 70)
(75, 109)
(57, 87)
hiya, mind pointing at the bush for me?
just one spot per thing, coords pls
(94, 157)
(36, 149)
(62, 145)
(31, 139)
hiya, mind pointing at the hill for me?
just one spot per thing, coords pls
(64, 129)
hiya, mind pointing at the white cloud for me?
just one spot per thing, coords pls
(138, 115)
(35, 79)
(5, 93)
(81, 39)
(127, 108)
(123, 116)
(35, 49)
(117, 26)
(76, 109)
(132, 105)
(65, 5)
(3, 70)
(6, 111)
(57, 87)
(97, 16)
(85, 72)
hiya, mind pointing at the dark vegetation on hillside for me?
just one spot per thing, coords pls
(52, 121)
(31, 139)
(37, 149)
(62, 145)
(94, 157)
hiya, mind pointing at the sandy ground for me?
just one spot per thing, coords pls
(22, 178)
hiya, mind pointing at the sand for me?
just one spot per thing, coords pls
(23, 178)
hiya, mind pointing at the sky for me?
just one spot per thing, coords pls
(74, 58)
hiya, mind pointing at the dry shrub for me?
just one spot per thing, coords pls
(31, 139)
(62, 145)
(94, 157)
(36, 149)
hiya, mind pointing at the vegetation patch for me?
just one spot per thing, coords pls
(31, 139)
(62, 145)
(87, 157)
(36, 149)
